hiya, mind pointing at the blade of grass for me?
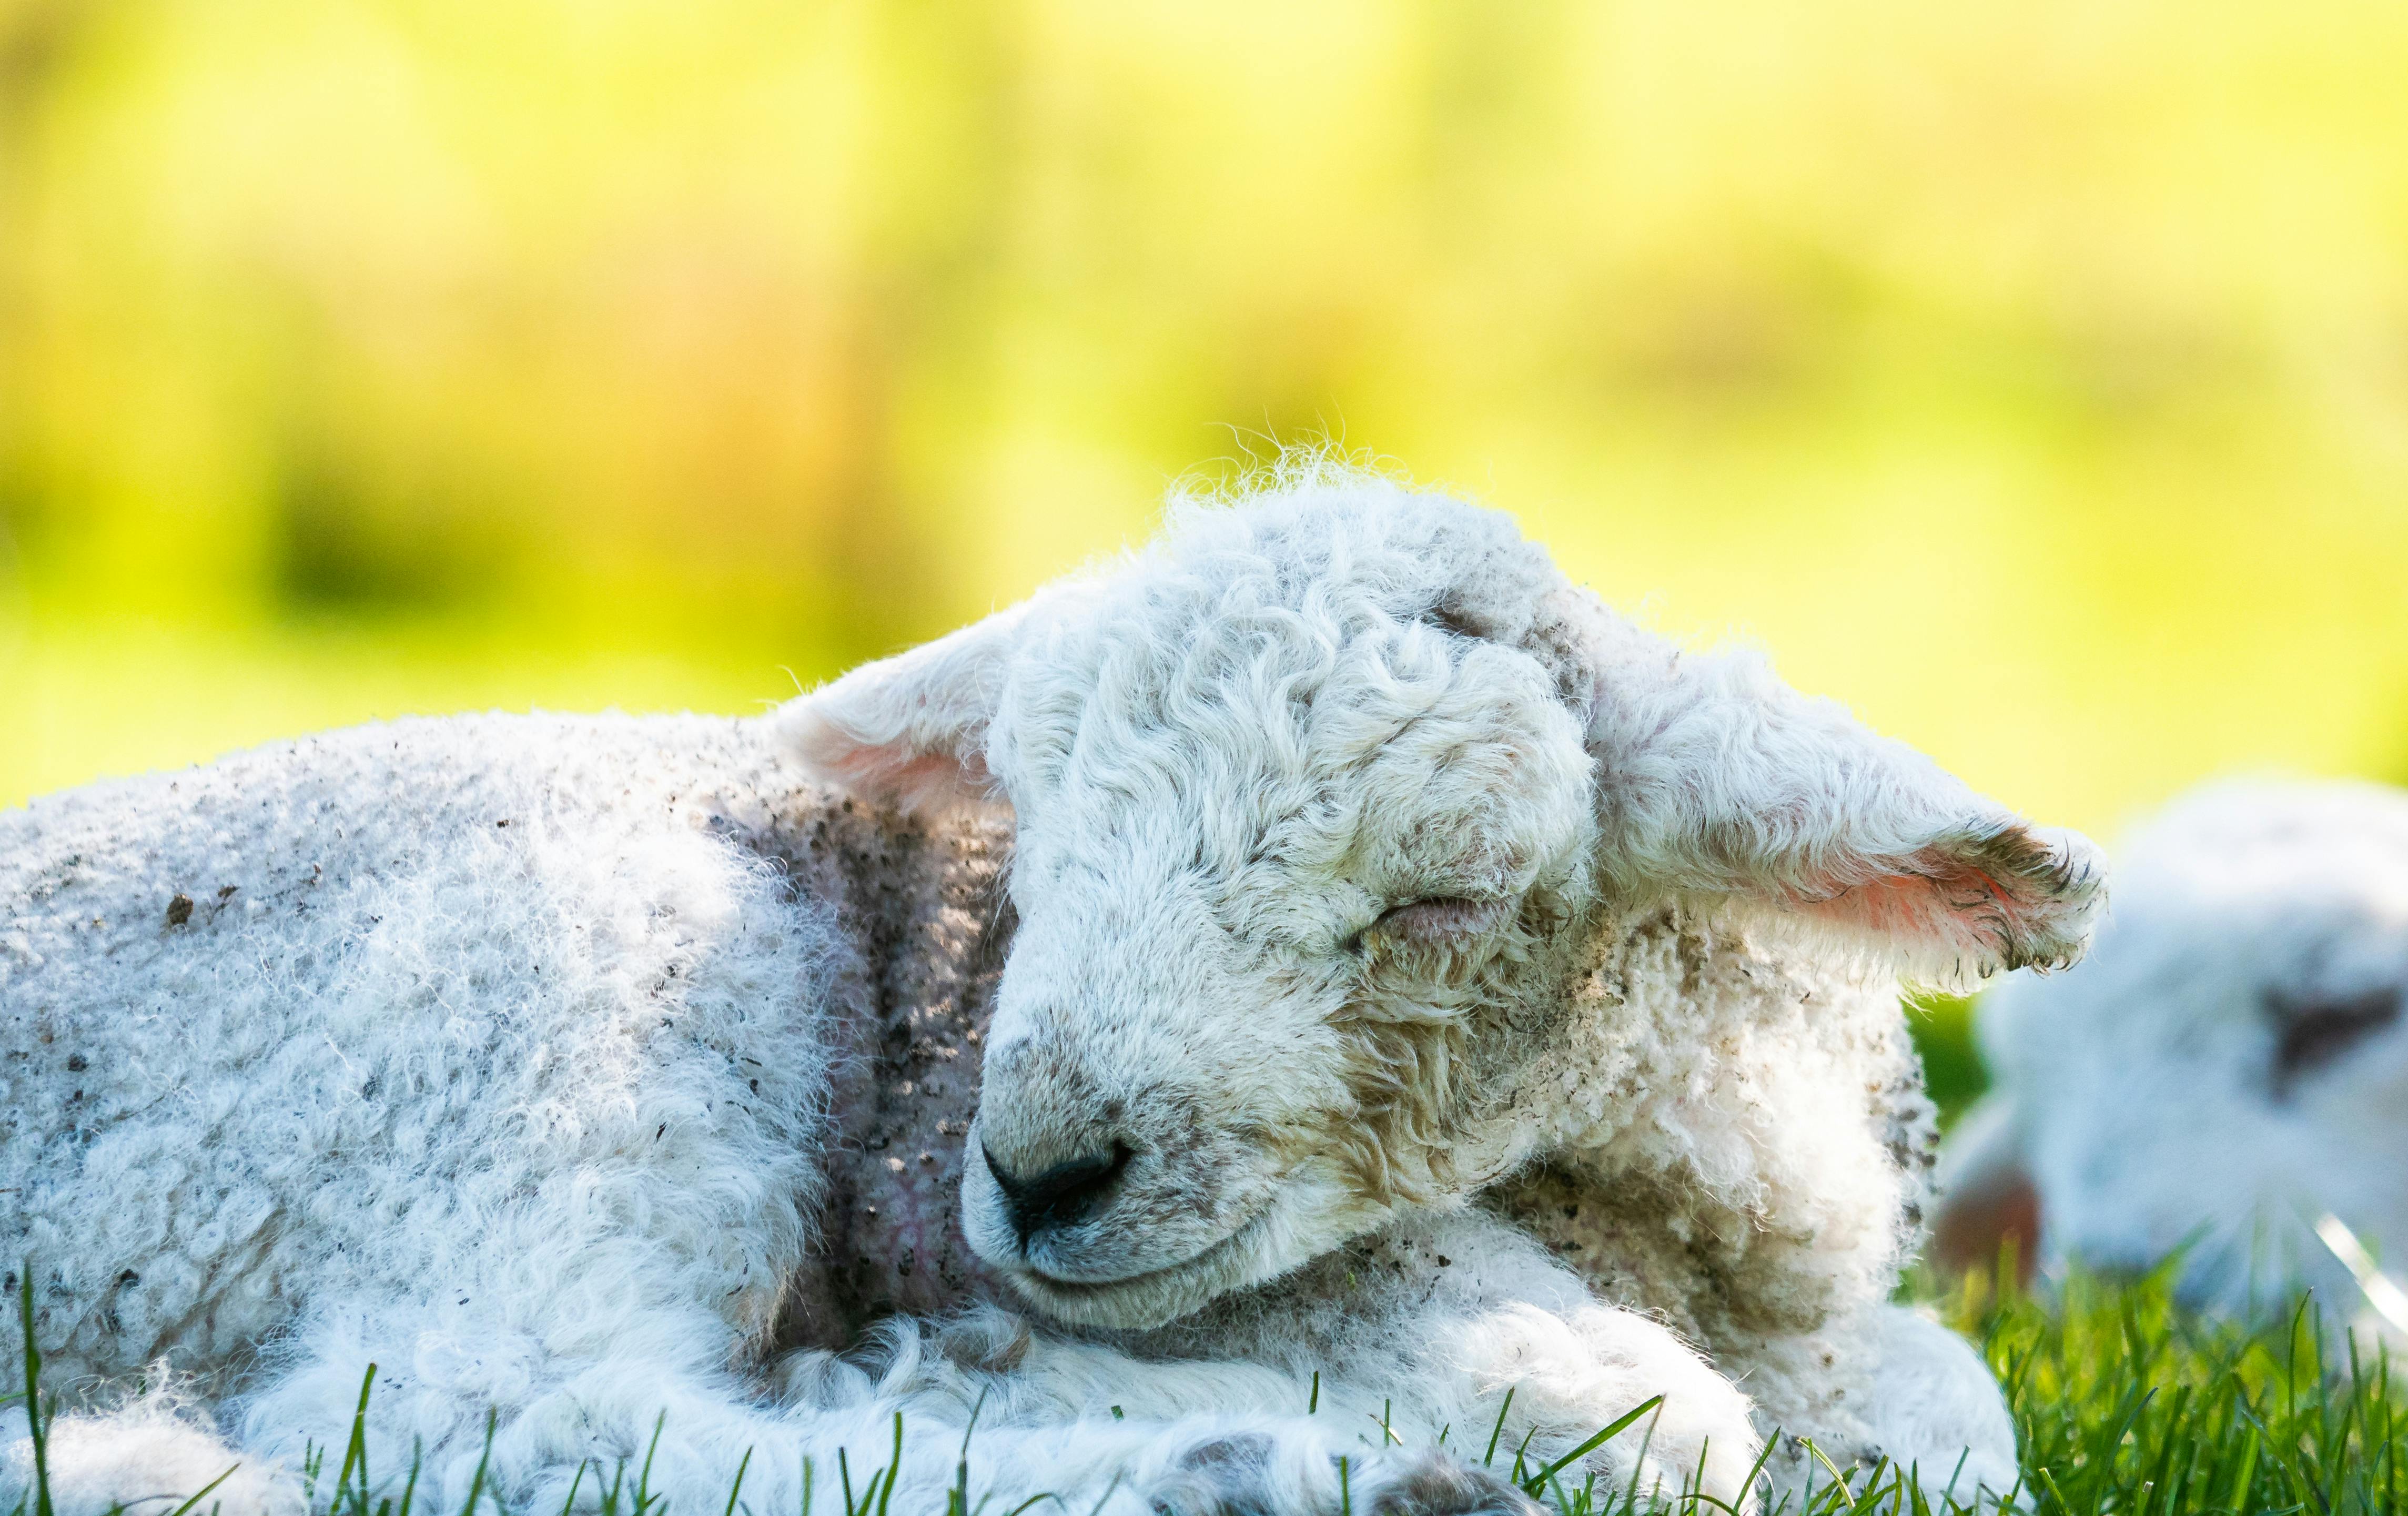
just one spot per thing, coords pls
(1838, 1483)
(1763, 1457)
(476, 1483)
(1493, 1433)
(1598, 1439)
(644, 1475)
(355, 1453)
(957, 1502)
(36, 1431)
(741, 1465)
(186, 1508)
(894, 1466)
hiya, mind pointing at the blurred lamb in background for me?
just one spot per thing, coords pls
(2227, 1073)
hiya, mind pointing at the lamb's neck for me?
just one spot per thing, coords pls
(926, 911)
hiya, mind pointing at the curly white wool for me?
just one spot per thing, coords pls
(500, 1052)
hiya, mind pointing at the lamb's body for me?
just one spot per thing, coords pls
(598, 1070)
(317, 1019)
(591, 1023)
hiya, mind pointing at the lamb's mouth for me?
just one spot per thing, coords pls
(1156, 1295)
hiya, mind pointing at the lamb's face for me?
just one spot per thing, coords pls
(1268, 859)
(2232, 1066)
(1321, 804)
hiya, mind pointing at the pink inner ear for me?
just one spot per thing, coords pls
(1952, 908)
(911, 779)
(2006, 898)
(889, 773)
(902, 770)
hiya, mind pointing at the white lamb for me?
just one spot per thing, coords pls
(1401, 969)
(2229, 1071)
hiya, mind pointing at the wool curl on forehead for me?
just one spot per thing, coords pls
(1256, 599)
(1325, 536)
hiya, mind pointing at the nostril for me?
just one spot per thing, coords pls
(1060, 1196)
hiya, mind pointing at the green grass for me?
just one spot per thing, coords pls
(1942, 1025)
(2124, 1402)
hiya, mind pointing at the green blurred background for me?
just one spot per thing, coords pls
(2031, 376)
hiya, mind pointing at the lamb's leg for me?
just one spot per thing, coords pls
(1421, 1332)
(1789, 1310)
(1933, 1402)
(1882, 1383)
(147, 1460)
(559, 1422)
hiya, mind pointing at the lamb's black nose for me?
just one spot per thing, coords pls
(1060, 1196)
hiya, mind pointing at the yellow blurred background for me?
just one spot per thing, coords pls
(2031, 376)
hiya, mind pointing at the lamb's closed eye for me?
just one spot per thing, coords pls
(1433, 920)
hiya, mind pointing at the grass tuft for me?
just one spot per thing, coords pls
(2125, 1404)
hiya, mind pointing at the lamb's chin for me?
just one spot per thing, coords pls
(1248, 1255)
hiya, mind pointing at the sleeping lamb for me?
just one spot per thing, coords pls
(1324, 943)
(2228, 1072)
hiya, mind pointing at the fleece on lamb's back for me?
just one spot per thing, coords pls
(322, 1019)
(1419, 977)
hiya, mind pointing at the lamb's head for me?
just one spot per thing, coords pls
(2228, 1068)
(1322, 803)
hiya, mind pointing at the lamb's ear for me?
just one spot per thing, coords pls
(1715, 778)
(910, 731)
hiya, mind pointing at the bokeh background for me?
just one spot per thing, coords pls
(2032, 375)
